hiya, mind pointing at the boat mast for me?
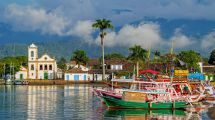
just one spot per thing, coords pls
(4, 73)
(10, 70)
(13, 63)
(171, 64)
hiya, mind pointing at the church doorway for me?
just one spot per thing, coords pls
(45, 75)
(21, 76)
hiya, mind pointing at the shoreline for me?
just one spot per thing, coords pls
(57, 82)
(65, 82)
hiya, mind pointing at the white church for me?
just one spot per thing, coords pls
(44, 67)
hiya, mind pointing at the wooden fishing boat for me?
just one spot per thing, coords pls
(101, 92)
(112, 102)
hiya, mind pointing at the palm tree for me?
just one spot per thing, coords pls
(137, 54)
(102, 25)
(80, 57)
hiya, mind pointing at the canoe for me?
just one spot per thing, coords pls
(112, 102)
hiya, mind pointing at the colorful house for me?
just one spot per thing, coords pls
(111, 66)
(76, 74)
(22, 74)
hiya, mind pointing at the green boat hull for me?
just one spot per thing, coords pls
(136, 112)
(119, 103)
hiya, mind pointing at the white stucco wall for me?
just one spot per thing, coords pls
(97, 77)
(72, 76)
(43, 60)
(24, 73)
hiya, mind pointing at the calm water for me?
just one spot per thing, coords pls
(76, 102)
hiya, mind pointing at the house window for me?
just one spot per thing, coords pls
(45, 68)
(119, 67)
(108, 67)
(32, 67)
(116, 67)
(50, 67)
(32, 74)
(113, 67)
(41, 67)
(32, 53)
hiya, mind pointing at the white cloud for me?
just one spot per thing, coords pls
(82, 29)
(208, 41)
(181, 40)
(145, 34)
(27, 18)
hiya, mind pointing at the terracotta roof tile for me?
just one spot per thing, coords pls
(76, 70)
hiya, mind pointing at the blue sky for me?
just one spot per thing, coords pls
(74, 18)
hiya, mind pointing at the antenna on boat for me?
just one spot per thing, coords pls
(148, 57)
(172, 47)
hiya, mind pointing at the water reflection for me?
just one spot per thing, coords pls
(77, 102)
(130, 114)
(48, 102)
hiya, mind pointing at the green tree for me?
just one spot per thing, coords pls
(115, 56)
(62, 64)
(191, 58)
(102, 25)
(11, 65)
(212, 58)
(137, 55)
(157, 56)
(80, 57)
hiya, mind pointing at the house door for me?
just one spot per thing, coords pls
(85, 77)
(45, 75)
(21, 76)
(76, 77)
(67, 77)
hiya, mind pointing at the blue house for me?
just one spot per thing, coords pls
(76, 74)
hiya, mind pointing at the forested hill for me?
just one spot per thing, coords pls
(58, 49)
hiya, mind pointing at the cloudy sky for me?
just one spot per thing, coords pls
(74, 18)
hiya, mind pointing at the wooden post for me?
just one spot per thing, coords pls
(173, 105)
(150, 105)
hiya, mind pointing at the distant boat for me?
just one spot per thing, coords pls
(9, 82)
(20, 82)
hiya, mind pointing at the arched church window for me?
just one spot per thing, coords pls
(41, 67)
(32, 53)
(32, 67)
(50, 67)
(45, 68)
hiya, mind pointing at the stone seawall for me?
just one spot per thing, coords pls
(58, 82)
